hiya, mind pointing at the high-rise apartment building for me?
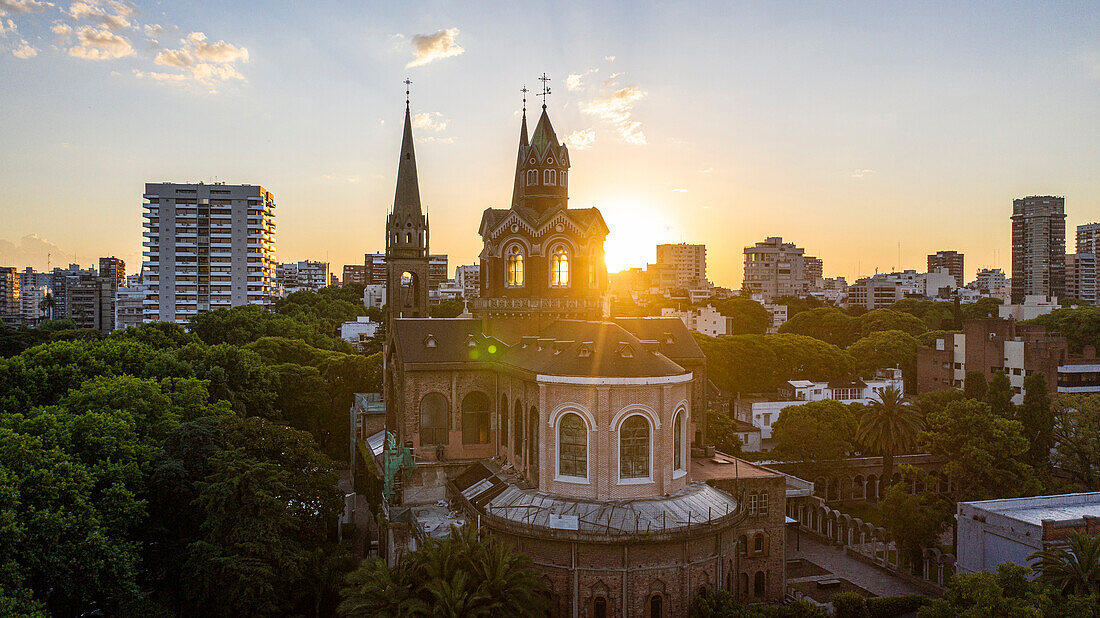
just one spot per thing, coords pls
(375, 265)
(11, 309)
(306, 275)
(33, 287)
(989, 279)
(130, 303)
(468, 277)
(113, 267)
(688, 262)
(354, 273)
(1081, 277)
(207, 247)
(952, 261)
(774, 268)
(1088, 238)
(90, 302)
(1038, 247)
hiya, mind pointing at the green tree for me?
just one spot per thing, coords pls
(797, 305)
(1080, 326)
(888, 319)
(984, 454)
(1005, 593)
(887, 348)
(816, 434)
(1073, 569)
(746, 316)
(828, 324)
(999, 396)
(1037, 419)
(982, 308)
(448, 308)
(889, 426)
(916, 521)
(1077, 438)
(974, 385)
(722, 432)
(458, 576)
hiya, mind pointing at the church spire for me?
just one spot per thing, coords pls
(407, 197)
(517, 189)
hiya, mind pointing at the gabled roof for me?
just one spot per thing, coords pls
(537, 223)
(544, 134)
(443, 340)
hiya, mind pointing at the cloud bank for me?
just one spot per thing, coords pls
(431, 47)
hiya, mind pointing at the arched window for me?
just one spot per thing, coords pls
(517, 433)
(573, 446)
(743, 545)
(433, 419)
(758, 584)
(562, 178)
(532, 177)
(559, 267)
(475, 418)
(515, 267)
(634, 448)
(550, 177)
(599, 607)
(678, 437)
(502, 418)
(408, 237)
(656, 606)
(758, 542)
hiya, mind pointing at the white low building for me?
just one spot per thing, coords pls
(1033, 307)
(359, 332)
(993, 532)
(374, 295)
(763, 411)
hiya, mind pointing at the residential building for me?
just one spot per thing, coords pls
(11, 306)
(359, 332)
(33, 288)
(763, 410)
(114, 268)
(207, 247)
(60, 278)
(1088, 238)
(90, 302)
(374, 296)
(1000, 345)
(774, 268)
(1038, 247)
(301, 276)
(354, 273)
(1031, 308)
(952, 261)
(989, 279)
(939, 283)
(1081, 277)
(993, 532)
(468, 276)
(688, 263)
(877, 292)
(130, 303)
(706, 320)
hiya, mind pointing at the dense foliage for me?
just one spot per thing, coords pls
(761, 363)
(1009, 593)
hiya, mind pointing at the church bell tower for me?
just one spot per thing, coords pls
(407, 236)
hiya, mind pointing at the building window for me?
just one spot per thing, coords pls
(599, 608)
(573, 446)
(743, 545)
(562, 178)
(475, 418)
(433, 419)
(550, 177)
(758, 542)
(532, 177)
(758, 584)
(503, 418)
(656, 606)
(559, 268)
(517, 432)
(515, 267)
(678, 437)
(634, 448)
(758, 504)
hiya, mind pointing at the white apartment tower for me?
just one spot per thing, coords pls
(689, 262)
(774, 268)
(207, 247)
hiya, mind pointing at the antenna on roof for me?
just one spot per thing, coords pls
(545, 89)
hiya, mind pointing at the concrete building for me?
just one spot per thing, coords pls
(689, 263)
(993, 532)
(988, 279)
(937, 284)
(130, 303)
(307, 275)
(952, 261)
(1031, 308)
(374, 295)
(11, 306)
(33, 288)
(114, 268)
(1038, 247)
(996, 345)
(774, 268)
(90, 302)
(359, 332)
(354, 273)
(468, 276)
(375, 268)
(763, 410)
(877, 292)
(207, 247)
(1081, 277)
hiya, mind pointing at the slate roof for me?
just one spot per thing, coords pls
(674, 339)
(564, 348)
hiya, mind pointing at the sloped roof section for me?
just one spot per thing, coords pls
(581, 348)
(673, 338)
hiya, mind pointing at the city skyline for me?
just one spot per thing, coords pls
(671, 145)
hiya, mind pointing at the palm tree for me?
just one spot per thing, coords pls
(1074, 569)
(889, 426)
(47, 305)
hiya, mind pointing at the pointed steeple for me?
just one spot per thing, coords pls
(544, 134)
(407, 197)
(517, 189)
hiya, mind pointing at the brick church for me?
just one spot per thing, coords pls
(553, 426)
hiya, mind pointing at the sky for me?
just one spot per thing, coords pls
(870, 134)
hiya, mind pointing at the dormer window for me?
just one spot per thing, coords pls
(626, 351)
(584, 351)
(515, 267)
(471, 342)
(429, 341)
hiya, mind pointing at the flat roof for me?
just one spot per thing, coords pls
(1061, 507)
(723, 466)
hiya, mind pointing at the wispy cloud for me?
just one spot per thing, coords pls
(430, 121)
(617, 109)
(24, 50)
(199, 60)
(23, 6)
(111, 15)
(100, 44)
(582, 139)
(431, 47)
(862, 173)
(679, 190)
(575, 81)
(438, 140)
(609, 58)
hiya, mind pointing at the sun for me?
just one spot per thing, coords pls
(636, 228)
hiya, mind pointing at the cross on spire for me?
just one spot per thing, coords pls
(524, 90)
(545, 89)
(407, 82)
